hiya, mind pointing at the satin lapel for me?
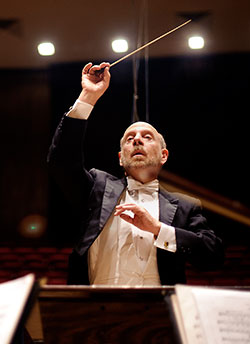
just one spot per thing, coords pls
(112, 193)
(168, 206)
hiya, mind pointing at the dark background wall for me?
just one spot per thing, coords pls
(25, 110)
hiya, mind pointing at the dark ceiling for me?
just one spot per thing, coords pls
(83, 30)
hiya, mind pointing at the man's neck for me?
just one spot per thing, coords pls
(142, 175)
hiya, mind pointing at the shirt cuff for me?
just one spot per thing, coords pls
(80, 110)
(166, 238)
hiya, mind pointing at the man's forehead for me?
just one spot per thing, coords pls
(140, 126)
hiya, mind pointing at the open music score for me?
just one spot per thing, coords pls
(208, 315)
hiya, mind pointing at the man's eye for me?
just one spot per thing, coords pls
(148, 137)
(130, 138)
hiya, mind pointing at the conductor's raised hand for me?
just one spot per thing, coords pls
(94, 84)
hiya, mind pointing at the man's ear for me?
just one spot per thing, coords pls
(164, 156)
(119, 156)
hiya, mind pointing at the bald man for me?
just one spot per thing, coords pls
(132, 231)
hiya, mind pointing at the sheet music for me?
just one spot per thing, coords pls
(193, 331)
(13, 297)
(224, 314)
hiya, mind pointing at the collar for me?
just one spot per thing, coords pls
(152, 186)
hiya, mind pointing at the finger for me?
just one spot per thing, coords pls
(104, 65)
(124, 210)
(94, 68)
(106, 75)
(132, 207)
(99, 70)
(127, 218)
(126, 205)
(86, 68)
(119, 212)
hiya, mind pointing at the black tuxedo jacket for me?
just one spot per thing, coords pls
(94, 195)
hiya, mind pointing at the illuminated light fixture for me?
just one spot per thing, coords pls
(196, 42)
(120, 45)
(46, 49)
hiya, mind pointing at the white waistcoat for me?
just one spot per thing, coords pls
(123, 254)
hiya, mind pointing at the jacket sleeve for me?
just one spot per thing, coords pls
(66, 161)
(196, 242)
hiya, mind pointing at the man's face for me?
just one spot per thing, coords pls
(141, 148)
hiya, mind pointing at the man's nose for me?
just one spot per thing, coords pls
(137, 140)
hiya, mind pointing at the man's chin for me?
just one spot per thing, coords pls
(137, 164)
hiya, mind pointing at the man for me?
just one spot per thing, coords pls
(132, 231)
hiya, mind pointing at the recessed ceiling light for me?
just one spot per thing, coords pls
(46, 49)
(196, 42)
(120, 45)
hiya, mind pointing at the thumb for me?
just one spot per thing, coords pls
(106, 75)
(126, 218)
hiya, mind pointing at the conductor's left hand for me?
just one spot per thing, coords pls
(142, 219)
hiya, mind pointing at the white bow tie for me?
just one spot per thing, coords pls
(152, 186)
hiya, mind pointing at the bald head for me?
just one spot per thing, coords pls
(143, 125)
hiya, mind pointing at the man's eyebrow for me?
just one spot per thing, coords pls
(143, 131)
(132, 132)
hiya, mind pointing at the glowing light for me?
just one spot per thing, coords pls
(120, 45)
(33, 226)
(46, 49)
(196, 42)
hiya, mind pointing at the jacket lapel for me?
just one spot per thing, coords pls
(112, 193)
(168, 206)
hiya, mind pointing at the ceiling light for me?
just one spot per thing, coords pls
(196, 42)
(46, 49)
(120, 45)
